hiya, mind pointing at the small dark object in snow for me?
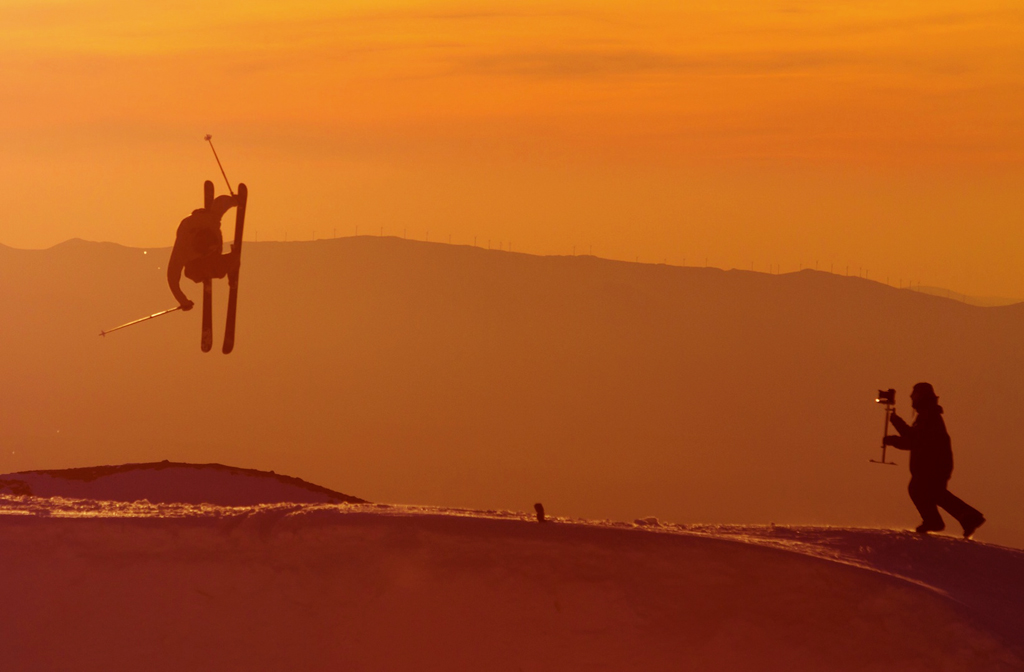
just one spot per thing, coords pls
(539, 508)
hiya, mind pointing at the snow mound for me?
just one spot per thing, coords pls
(93, 585)
(171, 482)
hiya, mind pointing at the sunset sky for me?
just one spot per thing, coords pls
(886, 137)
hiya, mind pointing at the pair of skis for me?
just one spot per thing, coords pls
(236, 248)
(229, 330)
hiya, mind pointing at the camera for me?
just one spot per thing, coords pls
(887, 397)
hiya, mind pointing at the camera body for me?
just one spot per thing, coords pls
(887, 397)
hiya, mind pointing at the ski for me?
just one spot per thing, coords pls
(207, 343)
(207, 337)
(236, 249)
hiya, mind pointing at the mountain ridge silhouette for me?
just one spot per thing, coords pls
(458, 376)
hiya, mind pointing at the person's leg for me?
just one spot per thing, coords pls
(206, 268)
(924, 495)
(224, 264)
(957, 507)
(195, 271)
(968, 516)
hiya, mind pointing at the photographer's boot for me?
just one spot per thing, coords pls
(973, 524)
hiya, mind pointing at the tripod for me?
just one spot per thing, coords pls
(890, 405)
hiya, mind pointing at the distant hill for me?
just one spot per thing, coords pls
(171, 482)
(985, 301)
(458, 376)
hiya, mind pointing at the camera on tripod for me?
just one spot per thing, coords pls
(887, 397)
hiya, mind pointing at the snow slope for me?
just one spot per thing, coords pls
(166, 481)
(90, 585)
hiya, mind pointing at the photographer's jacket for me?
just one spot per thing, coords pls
(931, 454)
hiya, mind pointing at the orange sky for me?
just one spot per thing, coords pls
(884, 136)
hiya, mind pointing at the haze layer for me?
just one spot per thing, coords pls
(428, 373)
(881, 136)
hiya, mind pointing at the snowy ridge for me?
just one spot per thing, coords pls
(169, 482)
(386, 587)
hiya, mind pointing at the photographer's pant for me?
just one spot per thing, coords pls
(928, 494)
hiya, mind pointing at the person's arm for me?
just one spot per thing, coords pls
(899, 442)
(175, 265)
(899, 424)
(904, 440)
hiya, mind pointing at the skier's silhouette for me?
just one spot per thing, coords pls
(197, 249)
(931, 464)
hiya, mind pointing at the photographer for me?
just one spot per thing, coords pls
(931, 464)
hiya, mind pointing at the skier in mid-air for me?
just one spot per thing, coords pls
(198, 249)
(198, 252)
(931, 464)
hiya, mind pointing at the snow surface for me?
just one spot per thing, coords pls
(171, 482)
(94, 585)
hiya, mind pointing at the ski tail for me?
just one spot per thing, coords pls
(207, 341)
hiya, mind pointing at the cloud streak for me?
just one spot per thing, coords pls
(819, 25)
(575, 64)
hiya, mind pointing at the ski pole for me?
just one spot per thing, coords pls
(141, 319)
(209, 139)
